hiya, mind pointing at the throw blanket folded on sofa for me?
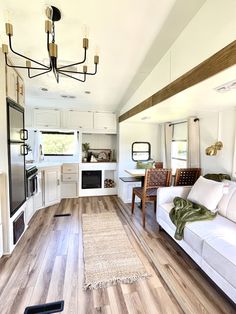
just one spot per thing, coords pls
(185, 211)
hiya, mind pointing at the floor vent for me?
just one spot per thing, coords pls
(62, 215)
(48, 308)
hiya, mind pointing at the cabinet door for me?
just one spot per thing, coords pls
(46, 118)
(21, 92)
(79, 120)
(52, 186)
(12, 84)
(105, 121)
(29, 210)
(39, 197)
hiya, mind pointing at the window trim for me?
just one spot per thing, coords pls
(58, 132)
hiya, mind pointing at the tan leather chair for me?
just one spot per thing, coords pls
(186, 176)
(154, 178)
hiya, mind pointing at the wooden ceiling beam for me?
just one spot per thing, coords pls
(220, 61)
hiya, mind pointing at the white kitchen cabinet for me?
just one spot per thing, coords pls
(20, 91)
(29, 209)
(105, 121)
(15, 86)
(52, 186)
(47, 118)
(78, 120)
(69, 184)
(12, 84)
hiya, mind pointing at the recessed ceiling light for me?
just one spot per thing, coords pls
(68, 96)
(87, 92)
(145, 118)
(44, 89)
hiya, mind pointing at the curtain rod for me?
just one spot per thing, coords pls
(195, 120)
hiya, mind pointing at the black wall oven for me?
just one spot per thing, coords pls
(32, 181)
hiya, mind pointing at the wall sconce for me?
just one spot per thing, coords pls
(212, 150)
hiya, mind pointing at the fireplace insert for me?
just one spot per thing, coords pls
(92, 179)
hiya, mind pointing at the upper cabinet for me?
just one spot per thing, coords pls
(105, 121)
(47, 118)
(15, 87)
(77, 120)
(12, 85)
(84, 121)
(20, 91)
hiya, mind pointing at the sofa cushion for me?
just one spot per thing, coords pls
(196, 232)
(227, 204)
(206, 192)
(220, 254)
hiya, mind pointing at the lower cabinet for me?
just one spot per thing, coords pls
(29, 210)
(49, 187)
(52, 186)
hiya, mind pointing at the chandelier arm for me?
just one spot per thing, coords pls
(21, 67)
(62, 72)
(20, 55)
(95, 71)
(32, 76)
(77, 63)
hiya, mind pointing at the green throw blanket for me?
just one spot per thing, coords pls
(186, 211)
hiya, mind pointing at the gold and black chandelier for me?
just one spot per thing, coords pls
(53, 14)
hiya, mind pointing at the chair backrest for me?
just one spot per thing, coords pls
(187, 176)
(159, 165)
(155, 178)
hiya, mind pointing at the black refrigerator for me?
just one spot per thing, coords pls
(17, 149)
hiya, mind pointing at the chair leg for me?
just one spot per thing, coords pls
(155, 206)
(143, 212)
(132, 206)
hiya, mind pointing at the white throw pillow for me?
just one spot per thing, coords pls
(207, 193)
(224, 202)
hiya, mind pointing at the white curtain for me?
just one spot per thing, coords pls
(234, 160)
(166, 141)
(37, 142)
(193, 158)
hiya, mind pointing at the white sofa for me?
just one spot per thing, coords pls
(212, 243)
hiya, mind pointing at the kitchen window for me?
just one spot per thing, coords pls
(179, 146)
(58, 143)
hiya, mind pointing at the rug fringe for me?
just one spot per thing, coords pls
(114, 281)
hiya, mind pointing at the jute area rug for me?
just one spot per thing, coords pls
(109, 257)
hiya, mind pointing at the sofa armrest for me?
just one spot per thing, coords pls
(167, 194)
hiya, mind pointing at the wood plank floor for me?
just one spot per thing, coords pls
(47, 265)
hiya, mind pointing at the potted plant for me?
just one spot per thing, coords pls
(85, 149)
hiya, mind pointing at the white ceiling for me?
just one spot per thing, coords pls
(124, 32)
(197, 100)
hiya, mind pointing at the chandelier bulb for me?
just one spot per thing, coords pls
(53, 50)
(28, 64)
(4, 48)
(85, 68)
(96, 59)
(85, 43)
(9, 29)
(48, 26)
